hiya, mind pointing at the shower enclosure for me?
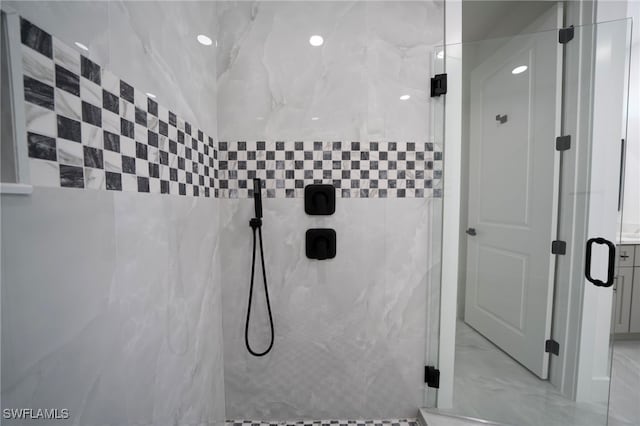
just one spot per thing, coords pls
(138, 129)
(543, 117)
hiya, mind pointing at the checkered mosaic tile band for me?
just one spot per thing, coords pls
(86, 128)
(392, 422)
(364, 170)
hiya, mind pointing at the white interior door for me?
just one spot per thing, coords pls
(512, 193)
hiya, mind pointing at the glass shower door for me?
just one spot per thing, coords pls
(542, 116)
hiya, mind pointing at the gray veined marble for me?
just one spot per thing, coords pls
(71, 176)
(67, 81)
(40, 120)
(94, 178)
(37, 66)
(274, 85)
(90, 92)
(66, 56)
(90, 70)
(70, 153)
(152, 341)
(624, 408)
(35, 38)
(38, 93)
(490, 385)
(42, 147)
(132, 333)
(350, 332)
(145, 344)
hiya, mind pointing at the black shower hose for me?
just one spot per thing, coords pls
(256, 226)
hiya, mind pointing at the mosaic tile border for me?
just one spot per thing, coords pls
(357, 170)
(88, 129)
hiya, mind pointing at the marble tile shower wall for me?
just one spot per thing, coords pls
(351, 332)
(128, 286)
(86, 128)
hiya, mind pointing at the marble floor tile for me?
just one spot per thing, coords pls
(624, 407)
(488, 384)
(429, 418)
(332, 422)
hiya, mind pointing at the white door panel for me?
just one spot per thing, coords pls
(511, 200)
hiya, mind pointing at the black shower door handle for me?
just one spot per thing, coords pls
(610, 267)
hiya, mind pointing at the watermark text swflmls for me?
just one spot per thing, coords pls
(36, 413)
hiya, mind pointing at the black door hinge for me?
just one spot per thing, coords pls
(552, 347)
(438, 85)
(558, 247)
(432, 376)
(563, 143)
(565, 35)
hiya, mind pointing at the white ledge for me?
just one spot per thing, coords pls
(15, 188)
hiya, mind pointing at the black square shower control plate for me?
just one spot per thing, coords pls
(320, 199)
(321, 243)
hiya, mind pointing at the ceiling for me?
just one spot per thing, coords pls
(493, 19)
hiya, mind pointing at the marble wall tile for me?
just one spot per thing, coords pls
(350, 332)
(124, 337)
(80, 103)
(53, 350)
(142, 341)
(164, 53)
(275, 85)
(167, 54)
(71, 22)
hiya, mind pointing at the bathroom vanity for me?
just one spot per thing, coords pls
(627, 286)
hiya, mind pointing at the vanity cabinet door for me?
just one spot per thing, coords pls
(635, 301)
(623, 286)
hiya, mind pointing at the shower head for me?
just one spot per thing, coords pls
(257, 197)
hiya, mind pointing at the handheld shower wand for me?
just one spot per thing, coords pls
(257, 197)
(256, 225)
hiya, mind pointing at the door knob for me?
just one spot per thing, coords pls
(471, 231)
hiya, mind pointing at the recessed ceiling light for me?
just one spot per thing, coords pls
(151, 95)
(315, 118)
(316, 40)
(203, 39)
(519, 70)
(405, 97)
(440, 54)
(81, 46)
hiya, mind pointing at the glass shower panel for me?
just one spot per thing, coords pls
(541, 124)
(434, 261)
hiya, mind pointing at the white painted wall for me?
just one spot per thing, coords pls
(631, 213)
